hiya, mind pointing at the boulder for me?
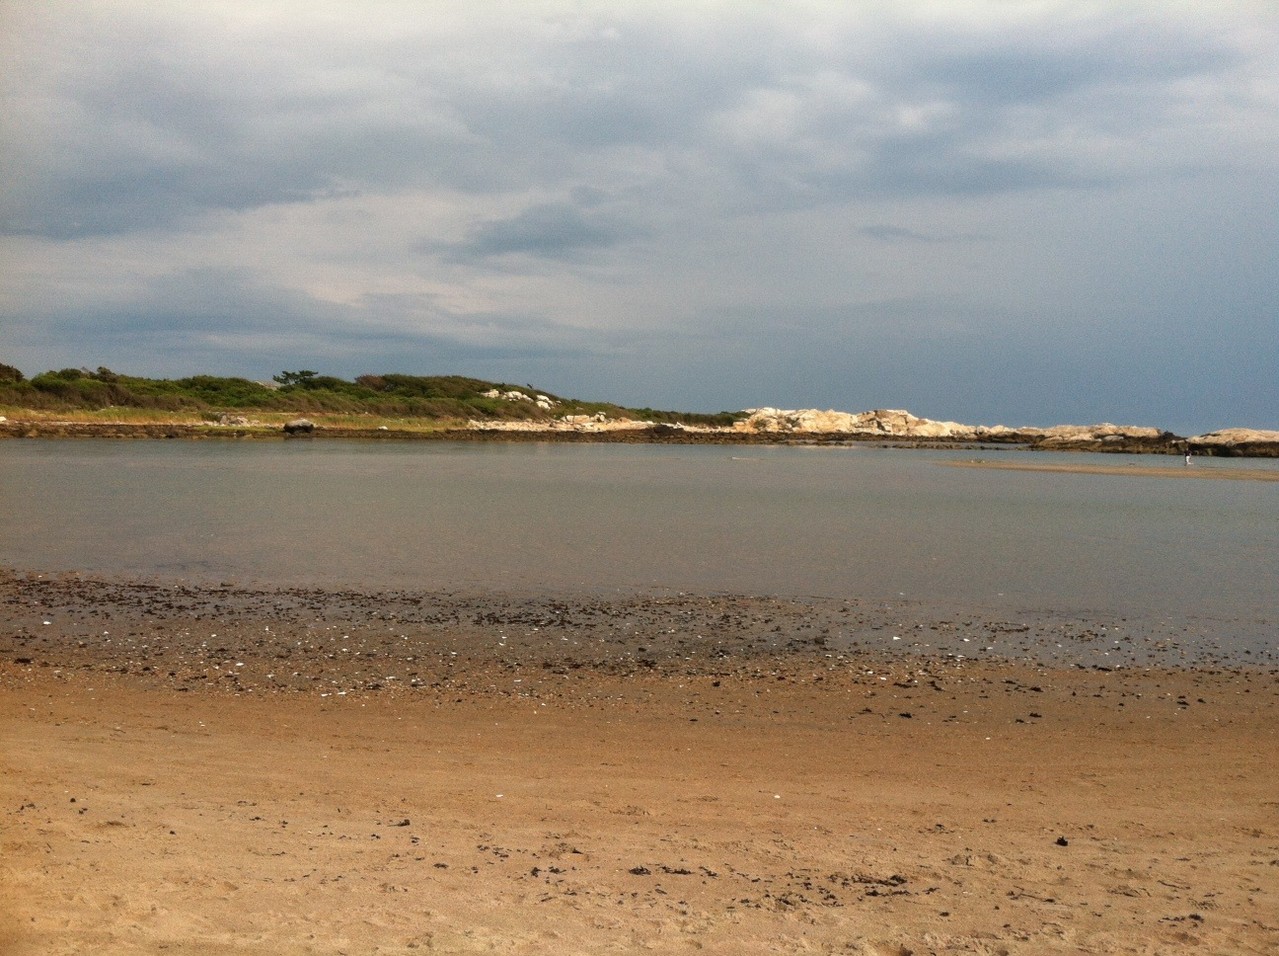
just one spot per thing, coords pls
(1240, 442)
(299, 426)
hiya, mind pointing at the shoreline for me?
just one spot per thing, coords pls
(220, 769)
(1170, 445)
(152, 622)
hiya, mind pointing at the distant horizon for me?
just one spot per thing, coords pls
(269, 382)
(994, 212)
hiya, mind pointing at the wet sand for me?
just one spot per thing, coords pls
(1199, 470)
(219, 769)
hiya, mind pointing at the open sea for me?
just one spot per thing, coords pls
(857, 522)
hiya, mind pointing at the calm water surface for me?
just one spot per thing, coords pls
(833, 522)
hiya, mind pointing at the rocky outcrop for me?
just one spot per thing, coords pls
(1236, 442)
(583, 424)
(513, 395)
(897, 424)
(1107, 437)
(882, 422)
(763, 425)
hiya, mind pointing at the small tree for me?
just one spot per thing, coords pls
(301, 378)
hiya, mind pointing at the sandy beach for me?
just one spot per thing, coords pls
(219, 770)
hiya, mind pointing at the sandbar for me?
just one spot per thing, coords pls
(1131, 471)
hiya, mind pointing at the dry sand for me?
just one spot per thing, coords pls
(217, 771)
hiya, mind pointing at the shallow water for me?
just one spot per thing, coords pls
(852, 522)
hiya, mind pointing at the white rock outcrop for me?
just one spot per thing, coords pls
(568, 423)
(1251, 442)
(1097, 432)
(896, 423)
(1101, 437)
(1237, 436)
(541, 401)
(888, 422)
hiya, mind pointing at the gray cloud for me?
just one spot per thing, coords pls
(159, 125)
(883, 232)
(548, 230)
(581, 186)
(204, 319)
(887, 233)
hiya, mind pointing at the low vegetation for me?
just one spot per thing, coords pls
(370, 399)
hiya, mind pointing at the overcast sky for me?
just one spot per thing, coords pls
(1003, 212)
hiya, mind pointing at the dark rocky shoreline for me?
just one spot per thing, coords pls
(204, 636)
(1165, 444)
